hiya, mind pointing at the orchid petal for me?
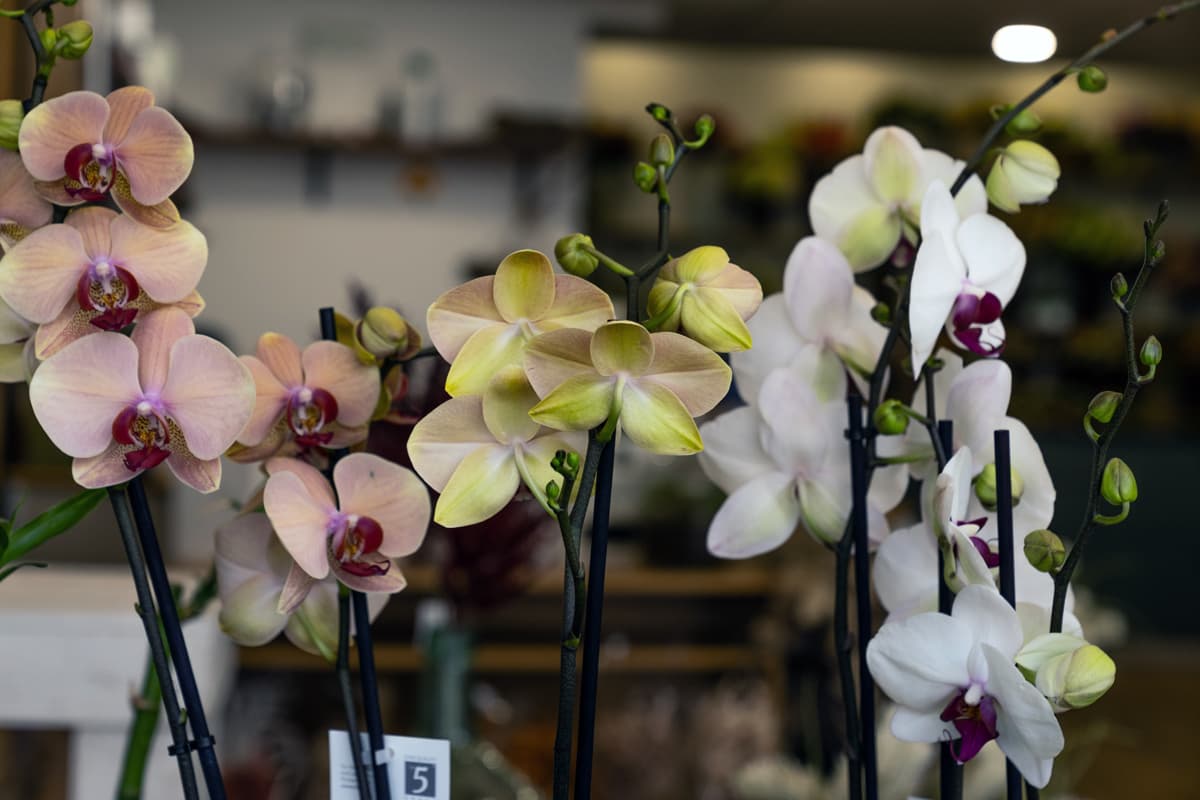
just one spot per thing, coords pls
(155, 154)
(921, 662)
(155, 335)
(316, 484)
(578, 404)
(890, 484)
(921, 726)
(506, 404)
(1036, 508)
(693, 373)
(52, 128)
(40, 272)
(977, 401)
(775, 344)
(971, 198)
(621, 346)
(939, 214)
(78, 393)
(94, 224)
(756, 518)
(209, 393)
(457, 314)
(295, 589)
(989, 617)
(103, 470)
(317, 617)
(905, 572)
(124, 105)
(577, 304)
(843, 208)
(19, 200)
(159, 215)
(740, 288)
(300, 521)
(249, 613)
(270, 401)
(282, 357)
(552, 358)
(824, 510)
(246, 545)
(388, 493)
(936, 281)
(784, 399)
(817, 283)
(871, 237)
(535, 456)
(995, 256)
(1028, 732)
(388, 582)
(733, 454)
(524, 286)
(445, 436)
(336, 369)
(167, 263)
(711, 319)
(892, 160)
(488, 350)
(699, 265)
(656, 420)
(203, 475)
(482, 484)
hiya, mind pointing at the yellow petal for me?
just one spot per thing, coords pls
(740, 288)
(622, 346)
(699, 265)
(524, 287)
(892, 160)
(660, 299)
(655, 419)
(488, 350)
(870, 237)
(578, 404)
(506, 404)
(457, 314)
(712, 321)
(577, 304)
(482, 485)
(553, 357)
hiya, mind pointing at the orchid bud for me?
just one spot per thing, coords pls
(383, 332)
(1151, 353)
(1024, 173)
(704, 128)
(890, 419)
(1045, 551)
(662, 151)
(1025, 123)
(74, 39)
(11, 115)
(1119, 286)
(574, 255)
(49, 38)
(553, 490)
(1117, 484)
(1092, 79)
(1076, 679)
(659, 111)
(985, 487)
(1104, 405)
(645, 176)
(881, 313)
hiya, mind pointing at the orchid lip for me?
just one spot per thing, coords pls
(975, 722)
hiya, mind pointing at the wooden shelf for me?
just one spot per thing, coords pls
(523, 659)
(738, 580)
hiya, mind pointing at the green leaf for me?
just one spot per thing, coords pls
(9, 570)
(50, 523)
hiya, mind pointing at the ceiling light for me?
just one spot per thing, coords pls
(1025, 44)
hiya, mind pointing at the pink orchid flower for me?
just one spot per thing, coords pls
(21, 209)
(121, 405)
(323, 397)
(381, 511)
(98, 271)
(82, 147)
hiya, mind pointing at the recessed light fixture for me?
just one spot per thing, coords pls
(1024, 44)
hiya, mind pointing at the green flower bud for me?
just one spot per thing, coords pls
(881, 313)
(552, 491)
(985, 487)
(890, 419)
(659, 111)
(645, 176)
(11, 115)
(704, 128)
(74, 39)
(49, 38)
(1076, 679)
(574, 256)
(1117, 484)
(572, 461)
(383, 332)
(1151, 354)
(1104, 405)
(1045, 551)
(1025, 123)
(1158, 252)
(1092, 79)
(1023, 173)
(1119, 286)
(662, 151)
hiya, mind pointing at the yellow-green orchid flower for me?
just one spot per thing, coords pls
(708, 297)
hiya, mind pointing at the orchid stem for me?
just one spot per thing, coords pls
(204, 742)
(862, 588)
(158, 654)
(843, 648)
(342, 667)
(950, 772)
(1008, 579)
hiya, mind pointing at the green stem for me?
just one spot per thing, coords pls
(141, 734)
(611, 263)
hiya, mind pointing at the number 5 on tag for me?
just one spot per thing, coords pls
(418, 769)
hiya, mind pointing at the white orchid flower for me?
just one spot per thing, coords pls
(954, 677)
(871, 200)
(820, 310)
(967, 270)
(780, 474)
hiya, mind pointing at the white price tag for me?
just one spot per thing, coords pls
(419, 769)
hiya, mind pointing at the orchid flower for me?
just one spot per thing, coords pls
(651, 384)
(780, 474)
(264, 593)
(870, 201)
(22, 210)
(707, 297)
(81, 146)
(380, 512)
(98, 271)
(121, 405)
(17, 360)
(485, 324)
(322, 397)
(967, 269)
(477, 451)
(820, 308)
(954, 677)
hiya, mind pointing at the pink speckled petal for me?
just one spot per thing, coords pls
(282, 357)
(156, 333)
(209, 393)
(155, 155)
(78, 393)
(336, 369)
(203, 475)
(389, 582)
(270, 400)
(167, 262)
(388, 493)
(103, 470)
(57, 125)
(41, 272)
